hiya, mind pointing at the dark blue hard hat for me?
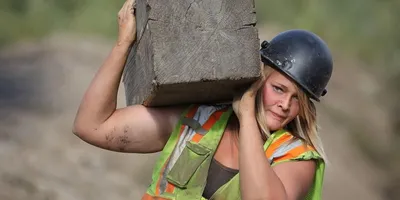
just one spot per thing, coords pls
(302, 56)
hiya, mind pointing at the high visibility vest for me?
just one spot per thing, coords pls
(181, 170)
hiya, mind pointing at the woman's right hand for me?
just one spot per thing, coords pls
(127, 23)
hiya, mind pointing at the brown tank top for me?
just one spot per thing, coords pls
(218, 175)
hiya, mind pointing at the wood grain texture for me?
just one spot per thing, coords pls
(191, 51)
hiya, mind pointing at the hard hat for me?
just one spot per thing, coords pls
(302, 56)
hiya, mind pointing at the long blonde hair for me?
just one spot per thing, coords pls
(304, 126)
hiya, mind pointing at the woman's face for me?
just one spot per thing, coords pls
(280, 100)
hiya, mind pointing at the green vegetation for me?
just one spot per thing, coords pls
(30, 19)
(363, 28)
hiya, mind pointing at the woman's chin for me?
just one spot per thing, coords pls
(274, 126)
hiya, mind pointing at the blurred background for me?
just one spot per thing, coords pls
(50, 50)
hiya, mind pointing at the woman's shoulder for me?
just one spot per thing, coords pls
(285, 147)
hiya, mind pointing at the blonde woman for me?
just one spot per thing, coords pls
(264, 146)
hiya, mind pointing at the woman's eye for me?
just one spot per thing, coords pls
(295, 98)
(277, 89)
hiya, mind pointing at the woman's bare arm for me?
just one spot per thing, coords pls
(132, 129)
(258, 179)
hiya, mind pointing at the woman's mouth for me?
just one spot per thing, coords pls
(278, 117)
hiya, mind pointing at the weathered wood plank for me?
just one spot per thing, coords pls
(191, 51)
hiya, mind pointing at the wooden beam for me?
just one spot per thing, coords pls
(191, 51)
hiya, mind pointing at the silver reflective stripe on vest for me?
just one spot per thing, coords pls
(192, 127)
(284, 149)
(195, 125)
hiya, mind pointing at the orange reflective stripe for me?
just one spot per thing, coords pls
(213, 118)
(160, 177)
(149, 197)
(275, 145)
(294, 153)
(209, 123)
(170, 188)
(197, 137)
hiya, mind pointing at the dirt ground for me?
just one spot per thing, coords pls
(41, 84)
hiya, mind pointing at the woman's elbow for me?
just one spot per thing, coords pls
(80, 130)
(76, 130)
(87, 135)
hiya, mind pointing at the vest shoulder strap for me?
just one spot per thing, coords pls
(198, 119)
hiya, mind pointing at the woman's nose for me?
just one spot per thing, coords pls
(284, 103)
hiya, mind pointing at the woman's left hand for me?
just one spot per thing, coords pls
(244, 104)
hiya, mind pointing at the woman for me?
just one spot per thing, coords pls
(269, 134)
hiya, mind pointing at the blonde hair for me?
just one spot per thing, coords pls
(303, 127)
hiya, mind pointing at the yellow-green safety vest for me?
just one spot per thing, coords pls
(181, 170)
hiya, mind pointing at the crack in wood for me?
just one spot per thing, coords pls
(190, 5)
